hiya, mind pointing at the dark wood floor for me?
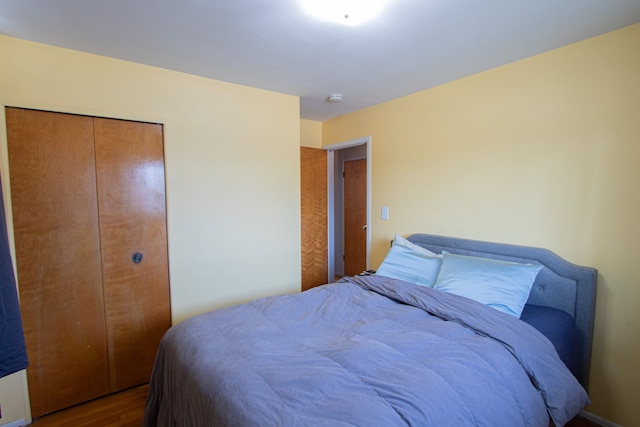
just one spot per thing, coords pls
(126, 409)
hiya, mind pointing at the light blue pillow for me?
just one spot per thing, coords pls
(406, 264)
(502, 285)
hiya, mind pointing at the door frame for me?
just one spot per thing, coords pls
(331, 165)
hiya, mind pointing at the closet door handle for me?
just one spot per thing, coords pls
(136, 258)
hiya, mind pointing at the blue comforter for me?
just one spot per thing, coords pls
(367, 351)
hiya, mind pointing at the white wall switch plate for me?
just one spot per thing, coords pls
(384, 213)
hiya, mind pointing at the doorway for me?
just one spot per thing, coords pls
(338, 155)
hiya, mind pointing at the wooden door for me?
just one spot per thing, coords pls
(55, 220)
(314, 214)
(88, 194)
(355, 216)
(131, 197)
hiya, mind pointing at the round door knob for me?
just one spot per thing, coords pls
(136, 258)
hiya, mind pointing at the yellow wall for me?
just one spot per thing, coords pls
(542, 152)
(310, 134)
(232, 171)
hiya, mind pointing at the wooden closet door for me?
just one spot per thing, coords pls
(55, 220)
(314, 215)
(131, 200)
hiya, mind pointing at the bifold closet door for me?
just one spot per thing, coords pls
(88, 199)
(131, 200)
(55, 220)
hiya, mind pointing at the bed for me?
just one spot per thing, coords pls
(385, 350)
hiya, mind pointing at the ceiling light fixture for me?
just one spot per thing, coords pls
(335, 98)
(347, 12)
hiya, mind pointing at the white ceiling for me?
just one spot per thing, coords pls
(274, 45)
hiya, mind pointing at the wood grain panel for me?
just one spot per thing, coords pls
(131, 200)
(355, 216)
(313, 200)
(53, 194)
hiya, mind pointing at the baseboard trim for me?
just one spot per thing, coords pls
(18, 423)
(598, 420)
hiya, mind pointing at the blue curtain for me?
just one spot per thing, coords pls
(13, 354)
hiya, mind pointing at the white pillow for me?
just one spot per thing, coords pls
(404, 263)
(399, 240)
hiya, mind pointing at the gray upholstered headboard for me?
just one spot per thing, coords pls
(560, 284)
